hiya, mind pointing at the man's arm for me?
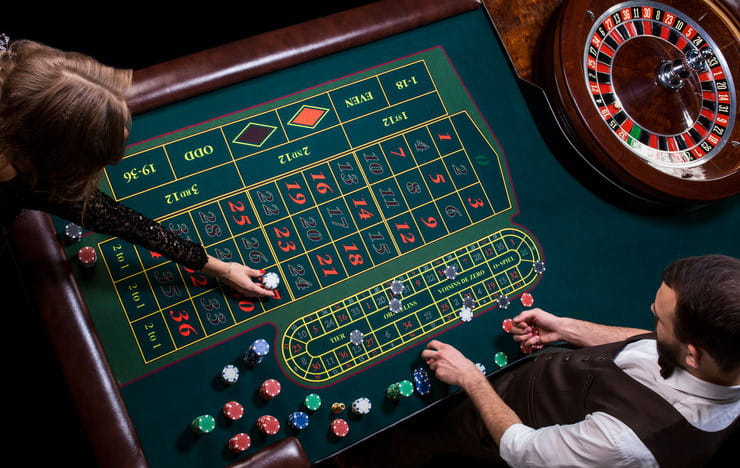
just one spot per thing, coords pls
(576, 332)
(452, 367)
(591, 441)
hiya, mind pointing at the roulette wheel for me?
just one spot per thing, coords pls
(646, 91)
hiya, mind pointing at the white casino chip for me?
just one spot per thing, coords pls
(270, 280)
(466, 315)
(230, 374)
(361, 406)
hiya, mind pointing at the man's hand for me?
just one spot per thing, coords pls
(552, 328)
(548, 327)
(450, 365)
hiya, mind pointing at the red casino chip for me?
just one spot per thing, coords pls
(339, 427)
(507, 325)
(87, 256)
(527, 300)
(268, 424)
(240, 442)
(233, 410)
(269, 389)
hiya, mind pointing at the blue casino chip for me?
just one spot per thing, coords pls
(298, 420)
(257, 350)
(421, 381)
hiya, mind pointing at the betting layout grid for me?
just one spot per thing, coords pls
(341, 338)
(164, 300)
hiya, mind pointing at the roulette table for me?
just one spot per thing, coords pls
(406, 180)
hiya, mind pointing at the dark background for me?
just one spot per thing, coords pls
(40, 419)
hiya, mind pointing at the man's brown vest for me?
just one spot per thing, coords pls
(563, 387)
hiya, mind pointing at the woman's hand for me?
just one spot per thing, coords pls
(241, 278)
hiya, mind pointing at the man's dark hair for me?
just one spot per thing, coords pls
(708, 305)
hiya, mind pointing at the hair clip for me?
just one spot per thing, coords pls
(4, 42)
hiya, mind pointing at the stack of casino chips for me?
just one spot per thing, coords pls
(339, 427)
(312, 402)
(361, 406)
(298, 420)
(256, 352)
(422, 383)
(87, 256)
(399, 390)
(269, 389)
(268, 424)
(72, 233)
(233, 410)
(240, 442)
(203, 424)
(230, 374)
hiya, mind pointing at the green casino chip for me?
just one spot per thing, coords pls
(501, 359)
(312, 402)
(400, 390)
(203, 424)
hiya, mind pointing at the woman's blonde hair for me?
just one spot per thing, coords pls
(62, 118)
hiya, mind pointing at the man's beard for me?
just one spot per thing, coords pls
(669, 357)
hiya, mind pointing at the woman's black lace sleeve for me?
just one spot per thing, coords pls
(104, 215)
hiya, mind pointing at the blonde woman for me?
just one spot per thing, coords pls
(63, 118)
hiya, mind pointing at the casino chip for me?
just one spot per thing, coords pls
(361, 406)
(270, 280)
(399, 390)
(481, 367)
(469, 302)
(230, 374)
(72, 233)
(269, 389)
(256, 352)
(466, 315)
(87, 256)
(503, 302)
(356, 337)
(539, 267)
(339, 427)
(421, 381)
(233, 410)
(527, 300)
(268, 424)
(312, 402)
(203, 424)
(395, 305)
(240, 442)
(451, 272)
(397, 287)
(298, 420)
(501, 359)
(507, 325)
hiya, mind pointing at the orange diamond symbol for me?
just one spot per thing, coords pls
(308, 116)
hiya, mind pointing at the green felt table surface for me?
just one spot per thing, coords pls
(451, 170)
